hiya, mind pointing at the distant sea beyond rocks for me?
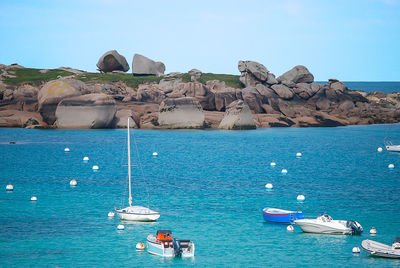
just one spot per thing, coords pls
(75, 99)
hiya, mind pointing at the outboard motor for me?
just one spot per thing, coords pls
(177, 247)
(356, 228)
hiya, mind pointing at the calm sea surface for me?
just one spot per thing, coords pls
(209, 187)
(386, 87)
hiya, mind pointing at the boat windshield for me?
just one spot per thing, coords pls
(325, 218)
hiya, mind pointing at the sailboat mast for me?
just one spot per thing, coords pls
(129, 166)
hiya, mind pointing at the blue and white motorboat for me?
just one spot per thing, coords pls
(281, 215)
(163, 244)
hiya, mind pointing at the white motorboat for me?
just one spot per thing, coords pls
(392, 148)
(326, 225)
(163, 244)
(135, 213)
(382, 250)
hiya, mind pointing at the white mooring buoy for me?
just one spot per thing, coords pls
(73, 182)
(380, 149)
(140, 246)
(120, 227)
(290, 228)
(9, 188)
(155, 154)
(86, 158)
(284, 171)
(298, 155)
(33, 198)
(391, 166)
(301, 198)
(95, 168)
(66, 149)
(372, 231)
(269, 186)
(356, 250)
(272, 164)
(111, 214)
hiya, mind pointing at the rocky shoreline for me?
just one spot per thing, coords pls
(173, 101)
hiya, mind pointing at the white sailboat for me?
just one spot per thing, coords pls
(135, 213)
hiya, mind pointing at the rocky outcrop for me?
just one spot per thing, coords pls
(52, 93)
(26, 93)
(15, 118)
(196, 90)
(112, 61)
(121, 119)
(298, 74)
(181, 113)
(150, 93)
(226, 96)
(237, 116)
(291, 100)
(86, 111)
(142, 65)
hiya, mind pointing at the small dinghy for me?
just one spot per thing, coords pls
(281, 215)
(163, 244)
(382, 250)
(326, 225)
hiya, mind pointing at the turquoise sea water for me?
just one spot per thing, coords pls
(208, 186)
(386, 87)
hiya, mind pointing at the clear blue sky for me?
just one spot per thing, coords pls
(355, 40)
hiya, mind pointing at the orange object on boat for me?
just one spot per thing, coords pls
(164, 236)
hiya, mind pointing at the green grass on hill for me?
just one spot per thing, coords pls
(229, 79)
(128, 79)
(35, 77)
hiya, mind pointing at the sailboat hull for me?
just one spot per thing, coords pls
(137, 213)
(137, 217)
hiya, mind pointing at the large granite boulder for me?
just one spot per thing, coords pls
(283, 91)
(26, 93)
(52, 93)
(298, 74)
(112, 61)
(150, 93)
(252, 73)
(181, 113)
(237, 116)
(142, 65)
(167, 85)
(225, 96)
(305, 90)
(86, 111)
(253, 99)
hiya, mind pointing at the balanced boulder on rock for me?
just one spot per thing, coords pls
(237, 116)
(181, 113)
(142, 65)
(112, 61)
(86, 111)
